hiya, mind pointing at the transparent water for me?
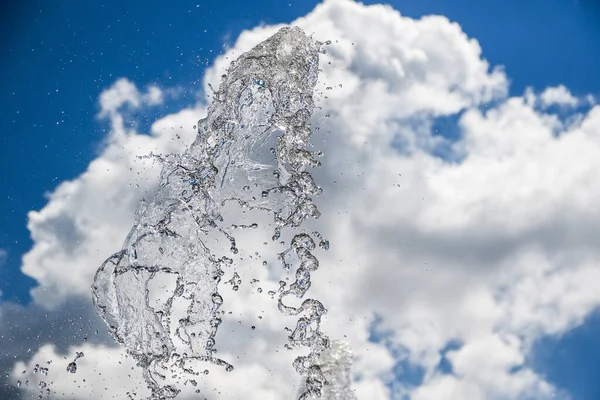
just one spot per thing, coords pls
(159, 295)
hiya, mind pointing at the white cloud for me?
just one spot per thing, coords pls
(87, 218)
(591, 100)
(123, 92)
(154, 95)
(102, 372)
(493, 252)
(558, 95)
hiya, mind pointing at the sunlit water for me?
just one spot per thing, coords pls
(159, 295)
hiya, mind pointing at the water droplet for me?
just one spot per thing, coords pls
(72, 368)
(229, 368)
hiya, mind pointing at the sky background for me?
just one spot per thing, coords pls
(58, 58)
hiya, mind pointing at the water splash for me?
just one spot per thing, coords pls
(159, 295)
(336, 367)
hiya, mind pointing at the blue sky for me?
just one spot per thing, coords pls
(58, 57)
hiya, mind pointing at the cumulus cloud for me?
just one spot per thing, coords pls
(99, 370)
(125, 93)
(558, 95)
(492, 251)
(87, 218)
